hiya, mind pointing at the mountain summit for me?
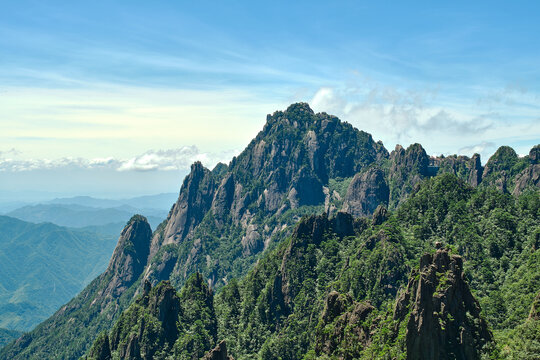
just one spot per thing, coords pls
(232, 233)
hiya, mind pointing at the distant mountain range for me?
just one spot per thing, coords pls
(103, 216)
(316, 242)
(44, 265)
(42, 246)
(78, 216)
(157, 202)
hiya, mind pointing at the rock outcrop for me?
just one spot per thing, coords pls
(530, 176)
(342, 324)
(101, 349)
(467, 169)
(476, 171)
(129, 258)
(286, 166)
(380, 215)
(149, 325)
(444, 319)
(407, 169)
(366, 191)
(163, 322)
(498, 169)
(194, 201)
(311, 230)
(218, 353)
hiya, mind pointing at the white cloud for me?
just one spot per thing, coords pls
(477, 148)
(442, 124)
(152, 160)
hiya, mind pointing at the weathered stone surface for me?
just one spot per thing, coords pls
(444, 320)
(475, 176)
(497, 169)
(223, 198)
(467, 169)
(346, 318)
(195, 200)
(407, 169)
(284, 167)
(530, 176)
(252, 242)
(101, 349)
(366, 191)
(145, 339)
(218, 353)
(129, 258)
(534, 155)
(310, 230)
(380, 215)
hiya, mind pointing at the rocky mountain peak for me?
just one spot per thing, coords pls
(130, 256)
(534, 155)
(497, 169)
(194, 201)
(407, 169)
(444, 317)
(475, 177)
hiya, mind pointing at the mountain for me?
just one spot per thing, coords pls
(79, 216)
(103, 216)
(291, 168)
(366, 288)
(157, 202)
(7, 336)
(162, 322)
(42, 267)
(241, 221)
(96, 306)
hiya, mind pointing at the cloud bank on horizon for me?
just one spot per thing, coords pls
(179, 159)
(93, 85)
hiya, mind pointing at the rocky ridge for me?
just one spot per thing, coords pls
(442, 317)
(236, 211)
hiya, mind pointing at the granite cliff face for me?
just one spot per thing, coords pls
(444, 319)
(283, 171)
(218, 353)
(129, 257)
(225, 218)
(367, 190)
(145, 328)
(193, 203)
(407, 169)
(468, 169)
(530, 176)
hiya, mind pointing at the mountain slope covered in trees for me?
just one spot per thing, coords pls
(43, 266)
(362, 288)
(271, 278)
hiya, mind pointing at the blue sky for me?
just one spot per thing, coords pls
(138, 86)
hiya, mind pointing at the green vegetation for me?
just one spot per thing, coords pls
(292, 285)
(8, 335)
(281, 309)
(43, 266)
